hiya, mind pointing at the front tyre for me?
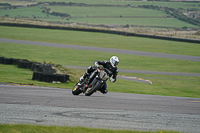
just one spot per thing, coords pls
(76, 90)
(92, 89)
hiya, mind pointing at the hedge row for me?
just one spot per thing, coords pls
(84, 5)
(42, 72)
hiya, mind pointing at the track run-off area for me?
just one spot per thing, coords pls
(55, 106)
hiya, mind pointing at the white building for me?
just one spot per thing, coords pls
(194, 14)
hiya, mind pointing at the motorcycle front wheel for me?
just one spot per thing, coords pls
(76, 90)
(92, 89)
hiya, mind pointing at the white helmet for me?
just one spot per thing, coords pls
(114, 61)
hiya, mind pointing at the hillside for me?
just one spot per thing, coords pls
(161, 17)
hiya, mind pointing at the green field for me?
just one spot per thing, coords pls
(108, 15)
(26, 12)
(79, 13)
(76, 11)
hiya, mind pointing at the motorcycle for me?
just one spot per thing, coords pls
(92, 84)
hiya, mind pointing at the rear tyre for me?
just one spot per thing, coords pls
(92, 89)
(76, 90)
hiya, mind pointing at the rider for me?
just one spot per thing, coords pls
(112, 66)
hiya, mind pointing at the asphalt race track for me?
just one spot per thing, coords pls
(54, 106)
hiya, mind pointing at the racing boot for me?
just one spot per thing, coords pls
(104, 91)
(104, 88)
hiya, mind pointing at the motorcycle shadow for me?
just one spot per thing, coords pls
(94, 95)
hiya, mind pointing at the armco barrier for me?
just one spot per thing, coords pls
(42, 72)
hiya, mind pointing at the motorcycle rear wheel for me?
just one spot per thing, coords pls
(91, 90)
(76, 90)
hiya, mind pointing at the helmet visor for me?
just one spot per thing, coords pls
(116, 63)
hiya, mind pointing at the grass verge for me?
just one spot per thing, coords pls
(19, 128)
(13, 74)
(162, 85)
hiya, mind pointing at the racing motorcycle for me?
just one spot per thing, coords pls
(92, 84)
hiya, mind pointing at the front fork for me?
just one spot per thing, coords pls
(92, 76)
(92, 81)
(95, 81)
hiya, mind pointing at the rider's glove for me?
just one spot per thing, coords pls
(112, 80)
(96, 64)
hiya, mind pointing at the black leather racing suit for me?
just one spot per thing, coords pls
(112, 75)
